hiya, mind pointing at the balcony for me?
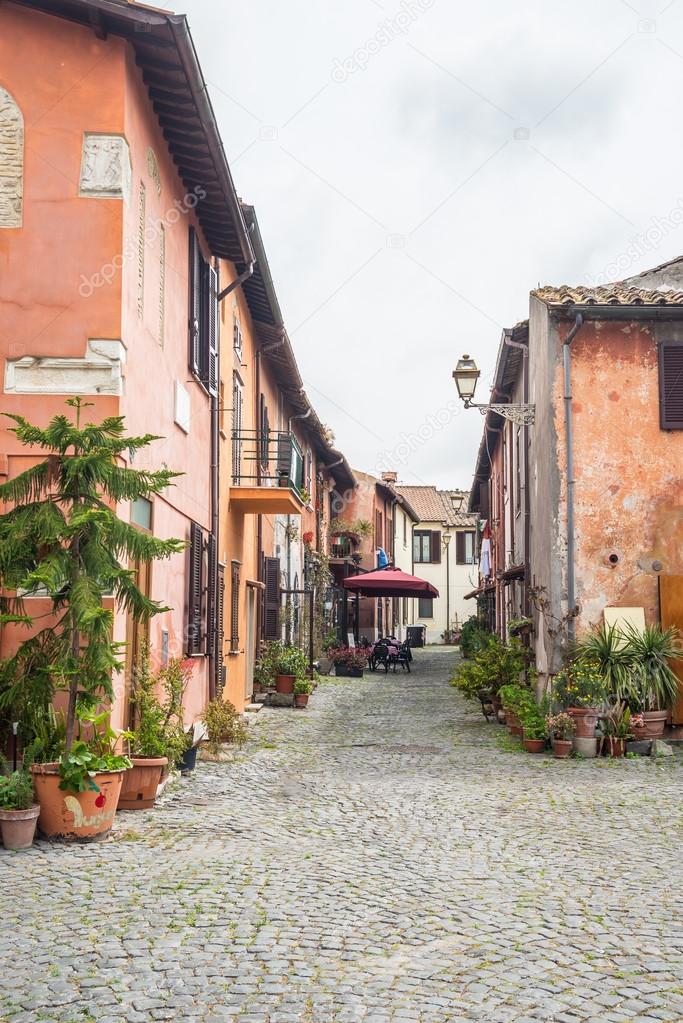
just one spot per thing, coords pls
(267, 473)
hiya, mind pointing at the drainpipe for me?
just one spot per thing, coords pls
(569, 441)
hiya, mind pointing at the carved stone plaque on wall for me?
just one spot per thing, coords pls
(105, 167)
(11, 161)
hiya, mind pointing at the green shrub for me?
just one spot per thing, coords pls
(224, 724)
(16, 791)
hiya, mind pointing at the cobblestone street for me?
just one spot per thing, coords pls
(383, 856)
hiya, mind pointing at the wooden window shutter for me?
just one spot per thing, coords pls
(460, 552)
(436, 546)
(212, 331)
(194, 599)
(195, 297)
(220, 611)
(235, 607)
(484, 502)
(671, 385)
(271, 603)
(212, 603)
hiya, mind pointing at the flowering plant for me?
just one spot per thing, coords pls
(347, 657)
(561, 726)
(581, 684)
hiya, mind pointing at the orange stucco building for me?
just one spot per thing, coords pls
(128, 274)
(585, 506)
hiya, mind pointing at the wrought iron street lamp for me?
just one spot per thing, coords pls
(445, 543)
(466, 374)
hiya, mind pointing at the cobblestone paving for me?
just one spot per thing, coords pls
(380, 857)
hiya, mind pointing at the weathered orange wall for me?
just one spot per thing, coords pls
(629, 486)
(67, 82)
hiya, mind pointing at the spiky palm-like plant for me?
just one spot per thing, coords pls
(62, 537)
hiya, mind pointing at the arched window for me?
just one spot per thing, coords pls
(11, 162)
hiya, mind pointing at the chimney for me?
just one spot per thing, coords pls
(389, 477)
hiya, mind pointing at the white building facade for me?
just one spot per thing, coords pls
(442, 548)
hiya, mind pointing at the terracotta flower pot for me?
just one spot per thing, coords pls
(140, 783)
(300, 699)
(654, 725)
(75, 816)
(562, 748)
(614, 746)
(18, 827)
(513, 723)
(285, 683)
(585, 719)
(534, 745)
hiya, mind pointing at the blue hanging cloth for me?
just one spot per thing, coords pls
(382, 559)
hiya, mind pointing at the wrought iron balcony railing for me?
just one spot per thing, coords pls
(270, 459)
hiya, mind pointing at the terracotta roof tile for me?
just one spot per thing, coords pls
(620, 293)
(434, 505)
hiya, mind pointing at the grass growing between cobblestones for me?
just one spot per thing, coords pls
(378, 858)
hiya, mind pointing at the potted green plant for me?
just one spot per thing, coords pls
(303, 687)
(654, 685)
(580, 690)
(534, 728)
(62, 536)
(515, 699)
(349, 662)
(149, 743)
(265, 669)
(291, 663)
(561, 729)
(79, 795)
(224, 725)
(616, 722)
(18, 811)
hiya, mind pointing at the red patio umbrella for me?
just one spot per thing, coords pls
(389, 582)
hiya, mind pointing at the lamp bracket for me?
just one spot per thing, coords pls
(522, 415)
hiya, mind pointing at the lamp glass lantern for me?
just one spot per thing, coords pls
(466, 375)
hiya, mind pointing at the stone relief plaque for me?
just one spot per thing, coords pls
(11, 162)
(105, 167)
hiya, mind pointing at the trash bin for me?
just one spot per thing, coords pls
(416, 635)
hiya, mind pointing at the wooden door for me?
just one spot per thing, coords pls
(671, 612)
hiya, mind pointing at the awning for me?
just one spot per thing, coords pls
(390, 582)
(514, 572)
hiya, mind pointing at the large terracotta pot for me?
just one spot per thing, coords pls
(614, 746)
(562, 748)
(513, 723)
(654, 725)
(18, 827)
(75, 816)
(300, 700)
(534, 745)
(140, 783)
(585, 719)
(285, 683)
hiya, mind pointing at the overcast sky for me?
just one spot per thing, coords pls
(418, 166)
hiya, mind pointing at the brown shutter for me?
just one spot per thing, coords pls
(671, 385)
(194, 598)
(271, 608)
(220, 612)
(235, 607)
(484, 503)
(212, 332)
(460, 551)
(436, 546)
(212, 598)
(195, 297)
